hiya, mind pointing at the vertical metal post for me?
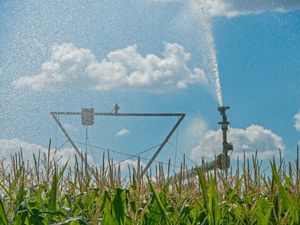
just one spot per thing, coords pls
(224, 161)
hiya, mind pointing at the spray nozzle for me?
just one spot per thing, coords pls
(223, 109)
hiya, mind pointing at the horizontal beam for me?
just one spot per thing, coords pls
(161, 146)
(123, 114)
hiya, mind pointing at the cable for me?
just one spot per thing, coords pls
(86, 138)
(176, 148)
(56, 134)
(63, 144)
(194, 162)
(57, 148)
(122, 153)
(142, 152)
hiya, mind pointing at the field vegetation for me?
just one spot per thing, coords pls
(45, 193)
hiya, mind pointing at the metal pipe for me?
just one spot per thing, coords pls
(68, 137)
(124, 114)
(222, 161)
(163, 143)
(116, 113)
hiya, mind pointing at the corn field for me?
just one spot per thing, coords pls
(45, 193)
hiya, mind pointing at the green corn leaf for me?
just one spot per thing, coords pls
(153, 216)
(53, 192)
(20, 196)
(108, 214)
(214, 211)
(3, 217)
(286, 201)
(72, 221)
(61, 173)
(184, 212)
(21, 213)
(264, 211)
(203, 186)
(119, 206)
(7, 192)
(159, 203)
(53, 195)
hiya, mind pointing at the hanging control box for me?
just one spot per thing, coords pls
(87, 116)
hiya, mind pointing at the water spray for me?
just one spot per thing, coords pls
(222, 161)
(211, 49)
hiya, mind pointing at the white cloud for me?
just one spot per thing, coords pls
(130, 163)
(297, 121)
(10, 147)
(250, 139)
(73, 67)
(166, 1)
(123, 132)
(230, 8)
(241, 7)
(70, 127)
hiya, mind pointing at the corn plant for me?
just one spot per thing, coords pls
(46, 193)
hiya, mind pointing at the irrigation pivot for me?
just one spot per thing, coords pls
(222, 161)
(87, 119)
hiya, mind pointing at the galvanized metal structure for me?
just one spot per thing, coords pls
(87, 119)
(222, 161)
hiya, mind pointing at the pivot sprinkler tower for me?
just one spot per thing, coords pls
(222, 161)
(87, 119)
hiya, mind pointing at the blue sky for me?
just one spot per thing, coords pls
(258, 52)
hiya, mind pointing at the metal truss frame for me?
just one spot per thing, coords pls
(180, 116)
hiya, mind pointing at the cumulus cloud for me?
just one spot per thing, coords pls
(123, 132)
(130, 163)
(231, 8)
(242, 7)
(70, 127)
(250, 139)
(71, 67)
(297, 121)
(10, 147)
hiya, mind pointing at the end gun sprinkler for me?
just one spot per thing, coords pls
(222, 161)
